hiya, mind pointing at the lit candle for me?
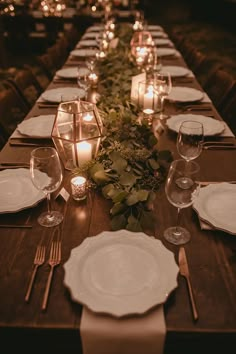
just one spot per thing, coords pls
(78, 187)
(87, 117)
(148, 100)
(83, 153)
(93, 78)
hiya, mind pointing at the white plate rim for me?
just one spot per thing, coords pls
(194, 117)
(198, 206)
(43, 119)
(117, 306)
(68, 73)
(34, 198)
(162, 52)
(60, 91)
(199, 95)
(181, 71)
(83, 52)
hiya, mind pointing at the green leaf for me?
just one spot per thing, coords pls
(152, 141)
(134, 226)
(119, 165)
(142, 195)
(154, 164)
(118, 222)
(119, 196)
(118, 208)
(127, 179)
(107, 191)
(100, 177)
(132, 198)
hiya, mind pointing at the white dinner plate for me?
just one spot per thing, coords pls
(216, 204)
(155, 28)
(68, 73)
(89, 35)
(95, 28)
(54, 95)
(185, 94)
(210, 126)
(158, 34)
(120, 273)
(88, 43)
(83, 52)
(175, 71)
(163, 41)
(37, 127)
(162, 52)
(17, 191)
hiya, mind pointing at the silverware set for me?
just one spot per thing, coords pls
(39, 259)
(218, 145)
(184, 271)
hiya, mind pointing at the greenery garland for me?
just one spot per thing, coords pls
(128, 169)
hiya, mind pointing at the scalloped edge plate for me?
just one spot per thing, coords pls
(120, 273)
(216, 204)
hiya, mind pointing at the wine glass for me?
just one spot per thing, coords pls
(180, 197)
(189, 143)
(83, 79)
(163, 88)
(46, 175)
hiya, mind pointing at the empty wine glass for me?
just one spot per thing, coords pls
(189, 144)
(46, 175)
(83, 79)
(180, 197)
(163, 88)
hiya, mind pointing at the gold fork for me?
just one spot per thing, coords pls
(54, 260)
(38, 261)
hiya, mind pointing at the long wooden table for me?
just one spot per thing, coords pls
(211, 255)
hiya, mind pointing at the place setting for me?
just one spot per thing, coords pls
(52, 97)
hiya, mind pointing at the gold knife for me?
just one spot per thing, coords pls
(184, 271)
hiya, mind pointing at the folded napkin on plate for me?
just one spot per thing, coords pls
(104, 334)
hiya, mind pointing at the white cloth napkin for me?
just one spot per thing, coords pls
(104, 334)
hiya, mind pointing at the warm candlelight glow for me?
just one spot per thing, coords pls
(87, 117)
(83, 153)
(78, 187)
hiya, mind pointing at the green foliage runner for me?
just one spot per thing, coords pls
(128, 169)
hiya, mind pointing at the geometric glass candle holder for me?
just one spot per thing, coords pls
(148, 99)
(141, 43)
(77, 132)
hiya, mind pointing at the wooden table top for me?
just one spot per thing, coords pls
(211, 255)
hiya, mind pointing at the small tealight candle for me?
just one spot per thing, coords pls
(78, 187)
(93, 79)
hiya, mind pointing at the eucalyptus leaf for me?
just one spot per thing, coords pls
(118, 208)
(118, 222)
(127, 179)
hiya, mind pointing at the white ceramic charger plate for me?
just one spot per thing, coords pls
(185, 94)
(176, 71)
(162, 52)
(17, 191)
(55, 95)
(210, 126)
(120, 273)
(37, 127)
(83, 52)
(216, 204)
(68, 73)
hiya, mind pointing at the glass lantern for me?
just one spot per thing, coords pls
(141, 46)
(77, 133)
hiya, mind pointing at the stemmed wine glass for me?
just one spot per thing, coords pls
(46, 175)
(163, 87)
(83, 79)
(189, 143)
(180, 197)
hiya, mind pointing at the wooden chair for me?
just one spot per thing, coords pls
(26, 85)
(13, 109)
(228, 109)
(48, 65)
(205, 70)
(219, 86)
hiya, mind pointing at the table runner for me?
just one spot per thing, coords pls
(105, 334)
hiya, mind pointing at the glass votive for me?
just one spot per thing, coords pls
(148, 99)
(79, 187)
(93, 79)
